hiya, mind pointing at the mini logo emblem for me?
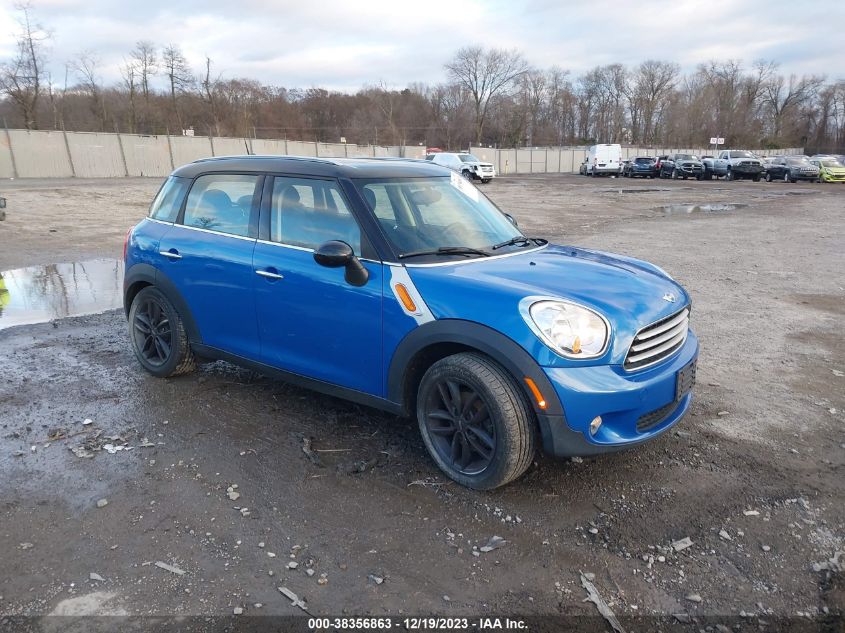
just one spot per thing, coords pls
(669, 297)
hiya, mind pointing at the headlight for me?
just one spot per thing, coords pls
(569, 329)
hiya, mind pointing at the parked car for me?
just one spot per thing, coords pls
(830, 169)
(733, 164)
(465, 164)
(791, 169)
(582, 168)
(2, 209)
(659, 163)
(642, 166)
(397, 284)
(604, 159)
(682, 166)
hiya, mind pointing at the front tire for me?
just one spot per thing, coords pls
(158, 335)
(475, 421)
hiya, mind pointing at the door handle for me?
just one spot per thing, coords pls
(172, 254)
(269, 275)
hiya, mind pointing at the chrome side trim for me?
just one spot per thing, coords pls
(159, 221)
(221, 233)
(311, 250)
(170, 255)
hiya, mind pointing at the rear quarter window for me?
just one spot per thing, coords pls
(168, 201)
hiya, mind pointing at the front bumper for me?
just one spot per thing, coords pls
(750, 170)
(621, 398)
(690, 171)
(803, 175)
(828, 177)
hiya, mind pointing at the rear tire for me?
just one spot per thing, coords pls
(158, 335)
(475, 421)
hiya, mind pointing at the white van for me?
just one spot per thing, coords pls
(604, 160)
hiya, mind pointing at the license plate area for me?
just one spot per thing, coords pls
(685, 380)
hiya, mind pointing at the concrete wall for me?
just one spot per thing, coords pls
(146, 155)
(7, 169)
(46, 154)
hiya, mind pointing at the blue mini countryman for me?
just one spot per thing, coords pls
(397, 284)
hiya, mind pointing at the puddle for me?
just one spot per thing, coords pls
(680, 209)
(38, 294)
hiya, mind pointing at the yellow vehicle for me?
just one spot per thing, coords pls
(830, 169)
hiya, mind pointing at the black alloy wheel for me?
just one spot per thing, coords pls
(459, 424)
(158, 335)
(152, 331)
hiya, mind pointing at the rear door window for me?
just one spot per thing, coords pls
(222, 203)
(168, 201)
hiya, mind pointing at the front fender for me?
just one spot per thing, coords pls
(486, 340)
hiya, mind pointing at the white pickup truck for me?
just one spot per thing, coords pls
(734, 164)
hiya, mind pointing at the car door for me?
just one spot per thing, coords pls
(778, 168)
(311, 321)
(207, 255)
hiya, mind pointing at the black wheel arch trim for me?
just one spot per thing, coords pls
(149, 275)
(505, 351)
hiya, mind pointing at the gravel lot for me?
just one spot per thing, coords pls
(218, 486)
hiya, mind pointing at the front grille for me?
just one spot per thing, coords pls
(658, 340)
(650, 420)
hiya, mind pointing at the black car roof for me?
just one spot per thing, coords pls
(308, 166)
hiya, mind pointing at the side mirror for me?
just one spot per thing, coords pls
(511, 219)
(336, 254)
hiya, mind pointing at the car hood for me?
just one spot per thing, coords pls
(629, 293)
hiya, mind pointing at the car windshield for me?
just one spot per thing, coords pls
(686, 157)
(742, 154)
(643, 161)
(829, 162)
(797, 161)
(422, 215)
(468, 158)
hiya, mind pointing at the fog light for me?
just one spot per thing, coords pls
(595, 424)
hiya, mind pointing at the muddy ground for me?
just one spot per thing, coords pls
(753, 476)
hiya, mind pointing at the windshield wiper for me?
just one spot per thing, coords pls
(446, 250)
(521, 239)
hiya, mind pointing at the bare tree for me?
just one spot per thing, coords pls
(209, 95)
(21, 78)
(86, 66)
(144, 56)
(786, 96)
(129, 72)
(485, 74)
(652, 84)
(179, 78)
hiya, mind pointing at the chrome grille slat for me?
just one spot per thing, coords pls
(656, 351)
(661, 326)
(657, 341)
(652, 342)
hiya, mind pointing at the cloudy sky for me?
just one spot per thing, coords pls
(343, 44)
